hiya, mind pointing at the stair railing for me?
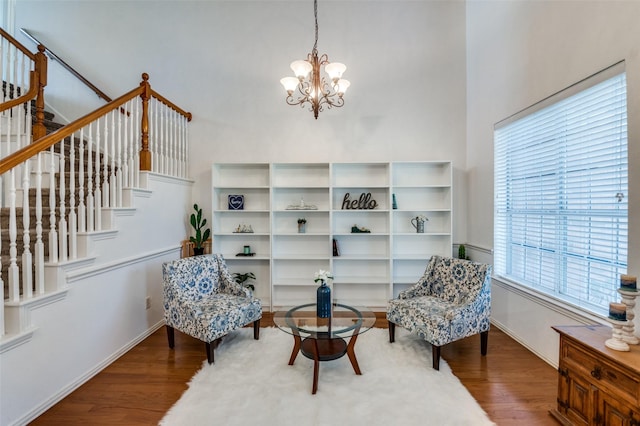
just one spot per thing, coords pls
(96, 157)
(24, 77)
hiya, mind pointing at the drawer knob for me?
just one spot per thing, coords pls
(596, 372)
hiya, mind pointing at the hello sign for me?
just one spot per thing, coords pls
(363, 203)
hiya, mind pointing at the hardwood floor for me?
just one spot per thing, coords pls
(511, 384)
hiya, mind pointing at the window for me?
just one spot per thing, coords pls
(560, 193)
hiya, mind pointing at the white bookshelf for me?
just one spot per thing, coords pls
(371, 267)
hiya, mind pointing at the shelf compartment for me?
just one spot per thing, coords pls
(415, 174)
(254, 198)
(289, 296)
(227, 222)
(284, 197)
(302, 271)
(423, 198)
(286, 222)
(408, 271)
(240, 175)
(230, 245)
(361, 271)
(301, 246)
(300, 175)
(362, 246)
(360, 174)
(371, 296)
(416, 246)
(439, 221)
(377, 222)
(261, 270)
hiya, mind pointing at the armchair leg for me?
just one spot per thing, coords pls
(484, 339)
(170, 336)
(256, 329)
(209, 348)
(435, 352)
(392, 332)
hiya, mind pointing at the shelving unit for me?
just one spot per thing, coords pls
(372, 267)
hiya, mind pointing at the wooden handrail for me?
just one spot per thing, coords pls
(37, 83)
(171, 105)
(47, 141)
(17, 44)
(33, 91)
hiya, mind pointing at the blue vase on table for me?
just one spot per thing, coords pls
(323, 303)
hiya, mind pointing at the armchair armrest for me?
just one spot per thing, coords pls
(227, 285)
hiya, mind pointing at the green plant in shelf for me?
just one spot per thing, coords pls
(243, 278)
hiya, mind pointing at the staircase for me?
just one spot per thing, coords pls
(95, 286)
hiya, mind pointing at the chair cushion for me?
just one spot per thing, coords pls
(435, 320)
(214, 317)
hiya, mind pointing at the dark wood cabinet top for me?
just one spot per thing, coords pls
(593, 337)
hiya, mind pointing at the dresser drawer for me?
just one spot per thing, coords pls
(601, 372)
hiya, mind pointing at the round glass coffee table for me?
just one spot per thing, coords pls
(324, 339)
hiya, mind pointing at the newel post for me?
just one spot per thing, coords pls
(145, 154)
(41, 80)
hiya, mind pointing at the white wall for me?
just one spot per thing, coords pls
(104, 312)
(517, 54)
(223, 60)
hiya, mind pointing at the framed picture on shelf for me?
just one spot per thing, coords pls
(236, 202)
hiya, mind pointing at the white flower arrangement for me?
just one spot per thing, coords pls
(422, 218)
(323, 276)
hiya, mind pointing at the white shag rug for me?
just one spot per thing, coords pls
(251, 383)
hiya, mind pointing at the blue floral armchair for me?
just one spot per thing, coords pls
(451, 301)
(201, 299)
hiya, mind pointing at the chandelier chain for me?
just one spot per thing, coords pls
(315, 14)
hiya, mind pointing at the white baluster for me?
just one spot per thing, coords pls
(105, 159)
(62, 223)
(186, 149)
(98, 192)
(14, 278)
(173, 147)
(90, 207)
(53, 234)
(118, 198)
(27, 260)
(112, 178)
(39, 245)
(82, 213)
(72, 220)
(136, 146)
(126, 154)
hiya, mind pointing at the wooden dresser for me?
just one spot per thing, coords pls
(596, 385)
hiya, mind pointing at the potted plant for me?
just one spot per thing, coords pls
(243, 278)
(302, 223)
(198, 223)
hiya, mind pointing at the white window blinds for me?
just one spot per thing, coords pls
(561, 193)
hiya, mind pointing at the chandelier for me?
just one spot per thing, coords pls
(311, 85)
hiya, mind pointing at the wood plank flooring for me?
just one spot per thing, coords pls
(511, 384)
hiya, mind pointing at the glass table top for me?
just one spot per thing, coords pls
(345, 321)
